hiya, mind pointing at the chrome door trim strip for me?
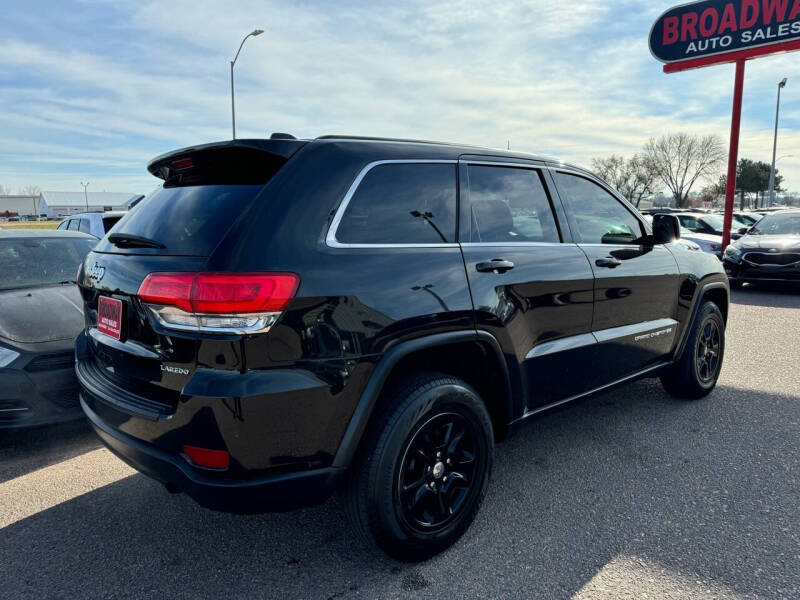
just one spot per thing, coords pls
(560, 345)
(599, 337)
(606, 335)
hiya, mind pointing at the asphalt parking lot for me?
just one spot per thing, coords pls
(630, 495)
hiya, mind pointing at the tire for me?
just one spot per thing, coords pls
(697, 371)
(422, 415)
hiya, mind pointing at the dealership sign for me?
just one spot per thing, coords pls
(725, 28)
(713, 32)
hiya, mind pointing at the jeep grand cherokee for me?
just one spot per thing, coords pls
(286, 318)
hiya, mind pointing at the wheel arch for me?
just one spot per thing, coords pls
(716, 291)
(479, 350)
(719, 295)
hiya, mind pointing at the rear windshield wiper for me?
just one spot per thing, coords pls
(128, 240)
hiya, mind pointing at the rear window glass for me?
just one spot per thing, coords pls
(28, 262)
(188, 220)
(85, 226)
(402, 204)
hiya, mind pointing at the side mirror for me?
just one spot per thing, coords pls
(743, 231)
(736, 235)
(666, 229)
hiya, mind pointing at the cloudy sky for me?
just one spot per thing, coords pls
(93, 90)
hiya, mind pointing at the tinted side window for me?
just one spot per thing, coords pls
(85, 226)
(109, 222)
(402, 204)
(509, 204)
(63, 225)
(73, 224)
(599, 216)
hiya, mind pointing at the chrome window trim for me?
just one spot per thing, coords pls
(502, 163)
(520, 244)
(330, 238)
(615, 246)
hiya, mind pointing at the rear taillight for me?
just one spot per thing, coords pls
(218, 302)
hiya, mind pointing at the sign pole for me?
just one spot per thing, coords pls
(733, 152)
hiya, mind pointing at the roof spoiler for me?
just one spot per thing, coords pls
(231, 162)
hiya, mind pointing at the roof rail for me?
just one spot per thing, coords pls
(387, 139)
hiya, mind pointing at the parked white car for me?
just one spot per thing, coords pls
(93, 223)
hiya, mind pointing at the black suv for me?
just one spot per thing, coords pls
(286, 318)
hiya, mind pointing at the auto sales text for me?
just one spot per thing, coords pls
(712, 29)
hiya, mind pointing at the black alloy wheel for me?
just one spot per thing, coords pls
(423, 470)
(694, 375)
(708, 351)
(437, 473)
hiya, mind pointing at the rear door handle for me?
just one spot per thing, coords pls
(496, 265)
(609, 262)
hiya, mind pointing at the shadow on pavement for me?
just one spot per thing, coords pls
(25, 450)
(707, 488)
(768, 294)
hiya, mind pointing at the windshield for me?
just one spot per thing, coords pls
(29, 262)
(778, 225)
(747, 219)
(717, 222)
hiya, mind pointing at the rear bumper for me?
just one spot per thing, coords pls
(274, 493)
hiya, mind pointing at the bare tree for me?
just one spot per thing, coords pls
(681, 159)
(30, 190)
(634, 178)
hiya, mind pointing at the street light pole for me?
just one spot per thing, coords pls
(781, 85)
(253, 33)
(85, 194)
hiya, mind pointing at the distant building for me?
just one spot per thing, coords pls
(19, 205)
(61, 204)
